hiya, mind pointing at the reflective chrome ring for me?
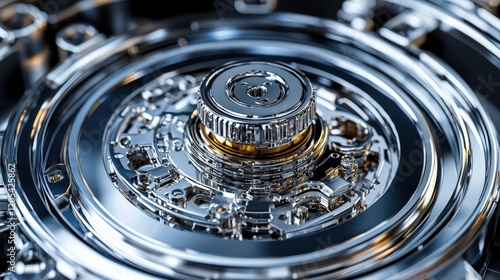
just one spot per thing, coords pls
(428, 200)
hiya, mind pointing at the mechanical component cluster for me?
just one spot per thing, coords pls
(249, 139)
(215, 158)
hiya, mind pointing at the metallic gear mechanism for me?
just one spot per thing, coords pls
(249, 155)
(242, 139)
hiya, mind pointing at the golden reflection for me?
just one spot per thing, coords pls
(246, 150)
(34, 62)
(37, 124)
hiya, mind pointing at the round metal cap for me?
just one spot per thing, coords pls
(256, 102)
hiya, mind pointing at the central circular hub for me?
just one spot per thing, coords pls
(258, 91)
(261, 103)
(256, 88)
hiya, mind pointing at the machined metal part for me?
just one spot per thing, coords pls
(358, 13)
(189, 162)
(257, 143)
(257, 103)
(255, 7)
(75, 38)
(28, 26)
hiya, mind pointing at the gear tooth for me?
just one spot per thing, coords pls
(269, 132)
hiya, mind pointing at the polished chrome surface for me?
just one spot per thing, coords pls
(28, 26)
(261, 145)
(259, 103)
(75, 38)
(166, 157)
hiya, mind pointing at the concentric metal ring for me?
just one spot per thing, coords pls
(420, 221)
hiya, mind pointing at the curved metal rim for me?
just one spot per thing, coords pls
(485, 206)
